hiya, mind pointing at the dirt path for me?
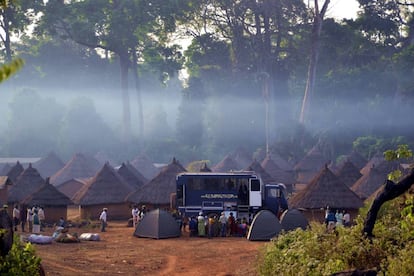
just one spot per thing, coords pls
(119, 252)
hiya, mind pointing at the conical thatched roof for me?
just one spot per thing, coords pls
(310, 165)
(49, 165)
(106, 187)
(205, 168)
(348, 173)
(72, 186)
(373, 162)
(367, 184)
(357, 159)
(326, 189)
(27, 183)
(145, 166)
(278, 174)
(15, 171)
(280, 161)
(198, 166)
(160, 188)
(226, 164)
(47, 195)
(242, 157)
(80, 166)
(131, 175)
(258, 169)
(103, 158)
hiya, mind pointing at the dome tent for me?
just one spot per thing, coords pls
(158, 224)
(264, 227)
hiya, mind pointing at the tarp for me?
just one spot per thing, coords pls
(264, 227)
(292, 219)
(158, 224)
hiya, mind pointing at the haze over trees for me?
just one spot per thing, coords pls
(246, 71)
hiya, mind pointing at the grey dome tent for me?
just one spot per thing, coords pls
(292, 219)
(157, 224)
(265, 226)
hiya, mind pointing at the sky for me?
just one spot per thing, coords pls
(342, 9)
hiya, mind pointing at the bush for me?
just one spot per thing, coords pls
(21, 260)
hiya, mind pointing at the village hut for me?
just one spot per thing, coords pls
(158, 192)
(54, 203)
(262, 173)
(367, 184)
(264, 227)
(5, 184)
(131, 175)
(205, 168)
(278, 174)
(382, 165)
(325, 190)
(48, 165)
(103, 158)
(158, 224)
(15, 171)
(292, 219)
(279, 161)
(145, 166)
(198, 166)
(72, 186)
(242, 157)
(310, 165)
(107, 189)
(227, 164)
(27, 183)
(357, 159)
(348, 173)
(80, 166)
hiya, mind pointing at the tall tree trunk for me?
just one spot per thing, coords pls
(138, 91)
(315, 44)
(126, 112)
(6, 39)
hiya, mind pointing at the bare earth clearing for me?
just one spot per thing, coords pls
(119, 252)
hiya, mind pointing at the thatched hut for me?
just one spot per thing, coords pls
(242, 157)
(325, 189)
(158, 192)
(348, 173)
(205, 168)
(49, 165)
(80, 166)
(131, 175)
(107, 189)
(72, 186)
(15, 171)
(27, 183)
(278, 174)
(145, 166)
(310, 165)
(262, 173)
(54, 203)
(279, 161)
(367, 184)
(357, 159)
(5, 184)
(226, 164)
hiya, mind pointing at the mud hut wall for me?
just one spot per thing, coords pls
(3, 195)
(54, 213)
(120, 211)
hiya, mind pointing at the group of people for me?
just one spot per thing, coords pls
(338, 218)
(217, 226)
(138, 214)
(34, 217)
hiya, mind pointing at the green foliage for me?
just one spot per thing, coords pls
(401, 153)
(20, 261)
(315, 252)
(7, 70)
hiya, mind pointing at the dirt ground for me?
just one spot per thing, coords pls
(121, 253)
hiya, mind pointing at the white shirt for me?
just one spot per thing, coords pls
(103, 216)
(16, 213)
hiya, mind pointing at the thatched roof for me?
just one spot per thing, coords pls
(348, 173)
(47, 195)
(279, 161)
(258, 169)
(310, 165)
(160, 188)
(5, 181)
(106, 187)
(49, 165)
(27, 183)
(326, 189)
(131, 175)
(226, 164)
(145, 166)
(72, 186)
(80, 166)
(278, 174)
(15, 171)
(205, 168)
(357, 159)
(367, 184)
(242, 157)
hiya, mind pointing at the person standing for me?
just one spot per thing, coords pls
(23, 216)
(346, 218)
(29, 218)
(201, 225)
(103, 219)
(223, 224)
(41, 214)
(339, 218)
(36, 222)
(16, 217)
(134, 214)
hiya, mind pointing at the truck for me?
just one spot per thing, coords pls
(242, 193)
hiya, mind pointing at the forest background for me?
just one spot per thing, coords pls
(112, 77)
